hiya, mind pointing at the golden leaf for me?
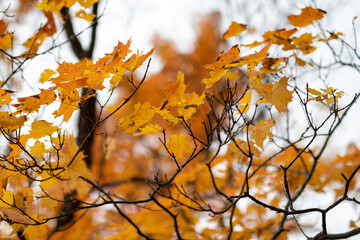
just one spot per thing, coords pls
(142, 114)
(234, 30)
(46, 75)
(276, 94)
(41, 128)
(308, 16)
(7, 199)
(261, 131)
(178, 145)
(84, 15)
(150, 129)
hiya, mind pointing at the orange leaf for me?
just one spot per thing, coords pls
(234, 30)
(261, 131)
(276, 94)
(218, 68)
(308, 16)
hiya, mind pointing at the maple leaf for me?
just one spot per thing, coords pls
(308, 16)
(178, 145)
(276, 94)
(87, 3)
(10, 122)
(303, 43)
(42, 128)
(33, 103)
(329, 95)
(166, 115)
(39, 149)
(271, 65)
(176, 90)
(143, 113)
(50, 6)
(84, 15)
(6, 39)
(261, 131)
(5, 97)
(7, 199)
(150, 129)
(136, 60)
(245, 102)
(234, 30)
(251, 60)
(46, 75)
(218, 68)
(280, 37)
(36, 232)
(301, 62)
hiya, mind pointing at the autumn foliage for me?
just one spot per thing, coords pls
(203, 149)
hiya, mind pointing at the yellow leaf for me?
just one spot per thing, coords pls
(308, 16)
(84, 15)
(6, 41)
(46, 75)
(166, 115)
(276, 94)
(41, 128)
(261, 131)
(176, 90)
(328, 95)
(38, 149)
(150, 129)
(218, 68)
(252, 59)
(142, 114)
(116, 78)
(225, 58)
(87, 3)
(178, 145)
(136, 60)
(36, 232)
(232, 76)
(252, 45)
(7, 199)
(332, 36)
(280, 37)
(32, 103)
(67, 108)
(215, 76)
(314, 91)
(245, 102)
(301, 62)
(5, 97)
(11, 123)
(303, 43)
(50, 6)
(280, 95)
(234, 30)
(50, 204)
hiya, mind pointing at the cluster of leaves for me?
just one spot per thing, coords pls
(170, 158)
